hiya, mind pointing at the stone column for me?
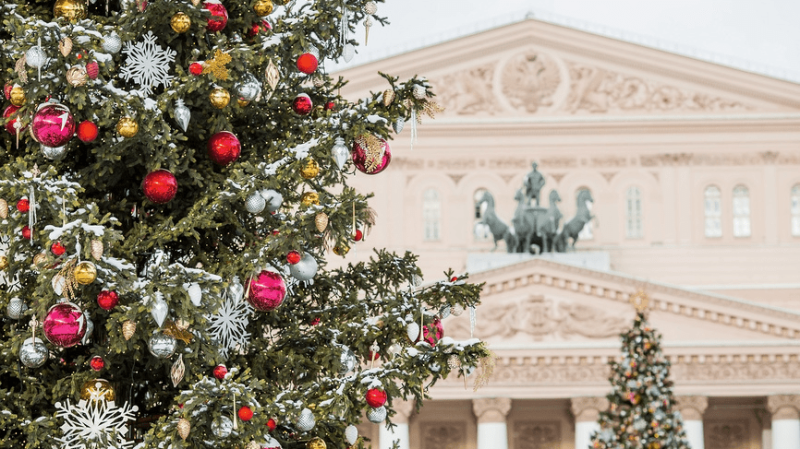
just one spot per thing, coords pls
(586, 411)
(692, 409)
(785, 410)
(400, 434)
(492, 429)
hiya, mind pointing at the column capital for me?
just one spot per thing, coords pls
(784, 406)
(588, 408)
(491, 409)
(692, 407)
(403, 410)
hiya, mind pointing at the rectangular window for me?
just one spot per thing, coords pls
(633, 222)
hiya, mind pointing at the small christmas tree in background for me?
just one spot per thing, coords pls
(640, 414)
(173, 176)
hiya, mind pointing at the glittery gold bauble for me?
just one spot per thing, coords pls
(316, 443)
(388, 97)
(219, 98)
(341, 250)
(97, 390)
(321, 220)
(263, 7)
(72, 10)
(96, 249)
(128, 329)
(17, 96)
(39, 259)
(242, 102)
(76, 76)
(310, 170)
(85, 273)
(3, 209)
(3, 262)
(127, 127)
(310, 198)
(183, 427)
(180, 23)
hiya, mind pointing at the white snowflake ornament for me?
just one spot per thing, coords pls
(147, 64)
(94, 424)
(228, 326)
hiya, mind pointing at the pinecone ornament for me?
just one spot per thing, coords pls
(321, 220)
(97, 249)
(65, 46)
(184, 426)
(3, 209)
(388, 97)
(128, 329)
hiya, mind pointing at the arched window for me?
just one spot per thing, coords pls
(741, 211)
(431, 214)
(587, 233)
(713, 209)
(483, 201)
(796, 210)
(633, 213)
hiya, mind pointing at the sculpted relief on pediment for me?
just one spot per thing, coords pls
(543, 319)
(532, 82)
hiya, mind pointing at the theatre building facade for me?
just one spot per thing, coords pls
(694, 175)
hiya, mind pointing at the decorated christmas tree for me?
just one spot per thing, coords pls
(640, 413)
(174, 176)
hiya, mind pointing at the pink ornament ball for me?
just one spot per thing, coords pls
(224, 148)
(434, 332)
(219, 15)
(160, 186)
(364, 165)
(267, 291)
(53, 125)
(65, 325)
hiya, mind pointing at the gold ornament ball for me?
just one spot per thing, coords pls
(263, 7)
(127, 127)
(40, 259)
(242, 102)
(97, 390)
(85, 273)
(341, 250)
(310, 198)
(3, 262)
(310, 170)
(128, 329)
(17, 96)
(316, 443)
(180, 23)
(76, 76)
(219, 98)
(72, 10)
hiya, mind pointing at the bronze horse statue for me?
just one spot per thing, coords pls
(547, 226)
(573, 227)
(500, 230)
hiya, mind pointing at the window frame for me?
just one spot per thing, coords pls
(431, 216)
(716, 216)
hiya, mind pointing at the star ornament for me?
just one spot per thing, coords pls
(217, 64)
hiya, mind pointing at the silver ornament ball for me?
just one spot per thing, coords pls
(112, 43)
(306, 421)
(162, 346)
(306, 269)
(370, 7)
(33, 353)
(274, 199)
(35, 57)
(348, 360)
(255, 203)
(222, 427)
(16, 308)
(419, 92)
(248, 88)
(54, 153)
(376, 415)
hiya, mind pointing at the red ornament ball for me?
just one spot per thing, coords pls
(434, 332)
(293, 257)
(454, 278)
(307, 63)
(257, 27)
(220, 371)
(267, 291)
(365, 164)
(358, 235)
(9, 111)
(302, 104)
(87, 131)
(160, 186)
(315, 321)
(275, 232)
(330, 106)
(64, 325)
(57, 249)
(23, 205)
(196, 68)
(374, 355)
(245, 413)
(97, 363)
(107, 300)
(92, 70)
(26, 232)
(272, 424)
(219, 15)
(376, 397)
(224, 148)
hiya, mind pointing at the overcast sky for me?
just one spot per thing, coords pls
(763, 35)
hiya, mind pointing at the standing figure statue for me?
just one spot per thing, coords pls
(547, 227)
(532, 185)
